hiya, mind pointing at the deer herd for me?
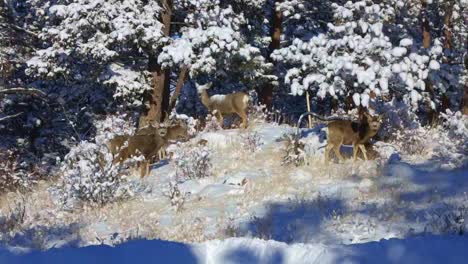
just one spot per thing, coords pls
(151, 141)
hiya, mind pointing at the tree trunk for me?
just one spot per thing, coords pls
(448, 25)
(447, 45)
(180, 83)
(464, 103)
(265, 94)
(426, 37)
(426, 29)
(159, 99)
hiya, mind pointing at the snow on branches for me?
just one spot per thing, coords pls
(212, 43)
(87, 39)
(357, 59)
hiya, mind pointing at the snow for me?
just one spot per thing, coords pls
(399, 51)
(252, 194)
(427, 249)
(434, 65)
(357, 99)
(406, 42)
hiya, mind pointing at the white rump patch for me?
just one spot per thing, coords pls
(218, 98)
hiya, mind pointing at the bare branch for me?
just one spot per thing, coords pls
(17, 28)
(180, 83)
(27, 91)
(10, 116)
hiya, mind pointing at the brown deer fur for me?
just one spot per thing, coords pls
(148, 141)
(344, 132)
(224, 104)
(146, 145)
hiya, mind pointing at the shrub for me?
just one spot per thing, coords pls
(12, 221)
(176, 197)
(456, 124)
(88, 175)
(448, 220)
(15, 174)
(212, 124)
(192, 162)
(294, 151)
(252, 141)
(412, 142)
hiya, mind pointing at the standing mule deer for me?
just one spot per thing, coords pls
(347, 132)
(344, 132)
(223, 104)
(148, 141)
(146, 145)
(174, 132)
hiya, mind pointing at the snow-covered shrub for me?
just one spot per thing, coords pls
(211, 124)
(398, 116)
(412, 141)
(16, 175)
(456, 123)
(176, 197)
(294, 151)
(192, 162)
(113, 125)
(252, 141)
(453, 221)
(89, 176)
(257, 112)
(12, 220)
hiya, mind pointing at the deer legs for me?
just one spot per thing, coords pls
(327, 152)
(243, 115)
(363, 150)
(336, 149)
(356, 148)
(220, 118)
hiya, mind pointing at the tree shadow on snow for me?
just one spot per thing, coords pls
(43, 237)
(295, 221)
(138, 251)
(247, 255)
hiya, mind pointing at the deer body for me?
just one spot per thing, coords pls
(174, 133)
(147, 141)
(146, 145)
(224, 104)
(345, 132)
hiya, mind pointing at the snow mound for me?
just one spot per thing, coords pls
(429, 249)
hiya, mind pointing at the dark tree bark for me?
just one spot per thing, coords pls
(265, 93)
(180, 83)
(426, 28)
(446, 104)
(159, 98)
(448, 25)
(464, 103)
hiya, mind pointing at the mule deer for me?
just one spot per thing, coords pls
(223, 104)
(345, 132)
(118, 142)
(175, 132)
(146, 145)
(348, 132)
(148, 142)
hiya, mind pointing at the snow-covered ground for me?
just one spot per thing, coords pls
(427, 250)
(250, 194)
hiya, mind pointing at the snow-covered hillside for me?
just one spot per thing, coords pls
(249, 193)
